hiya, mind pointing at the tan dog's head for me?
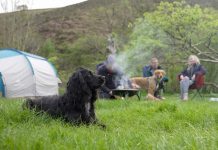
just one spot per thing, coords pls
(159, 73)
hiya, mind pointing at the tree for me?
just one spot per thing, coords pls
(16, 28)
(190, 29)
(144, 43)
(172, 32)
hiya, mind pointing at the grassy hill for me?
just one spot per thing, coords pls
(68, 24)
(75, 35)
(131, 124)
(71, 36)
(99, 17)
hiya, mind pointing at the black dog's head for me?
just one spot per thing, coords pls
(85, 81)
(93, 81)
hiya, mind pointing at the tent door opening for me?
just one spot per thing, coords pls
(2, 87)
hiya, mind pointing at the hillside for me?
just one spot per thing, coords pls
(66, 25)
(76, 35)
(64, 33)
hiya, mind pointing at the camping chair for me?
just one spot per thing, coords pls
(197, 85)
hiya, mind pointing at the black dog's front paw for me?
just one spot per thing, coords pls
(103, 126)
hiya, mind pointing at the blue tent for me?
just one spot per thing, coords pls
(24, 74)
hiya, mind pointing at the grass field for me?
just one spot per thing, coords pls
(131, 124)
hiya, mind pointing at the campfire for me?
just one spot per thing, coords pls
(126, 88)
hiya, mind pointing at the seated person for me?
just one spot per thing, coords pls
(187, 76)
(114, 77)
(148, 71)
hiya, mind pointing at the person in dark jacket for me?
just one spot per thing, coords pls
(187, 76)
(113, 77)
(148, 71)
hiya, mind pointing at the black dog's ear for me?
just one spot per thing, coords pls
(75, 81)
(81, 79)
(79, 69)
(83, 84)
(77, 85)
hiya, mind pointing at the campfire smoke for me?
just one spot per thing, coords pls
(118, 65)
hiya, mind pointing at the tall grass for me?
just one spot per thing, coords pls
(131, 124)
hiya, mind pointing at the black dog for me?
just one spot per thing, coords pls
(77, 104)
(160, 86)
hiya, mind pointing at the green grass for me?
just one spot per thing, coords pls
(131, 124)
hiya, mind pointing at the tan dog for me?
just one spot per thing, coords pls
(148, 83)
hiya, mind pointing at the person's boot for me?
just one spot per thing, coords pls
(185, 96)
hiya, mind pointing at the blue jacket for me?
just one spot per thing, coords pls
(148, 71)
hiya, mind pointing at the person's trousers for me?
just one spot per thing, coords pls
(184, 85)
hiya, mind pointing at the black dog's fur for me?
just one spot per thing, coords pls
(77, 104)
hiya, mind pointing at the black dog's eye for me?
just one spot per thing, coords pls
(90, 74)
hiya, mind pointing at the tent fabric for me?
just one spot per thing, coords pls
(45, 79)
(5, 54)
(17, 76)
(27, 75)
